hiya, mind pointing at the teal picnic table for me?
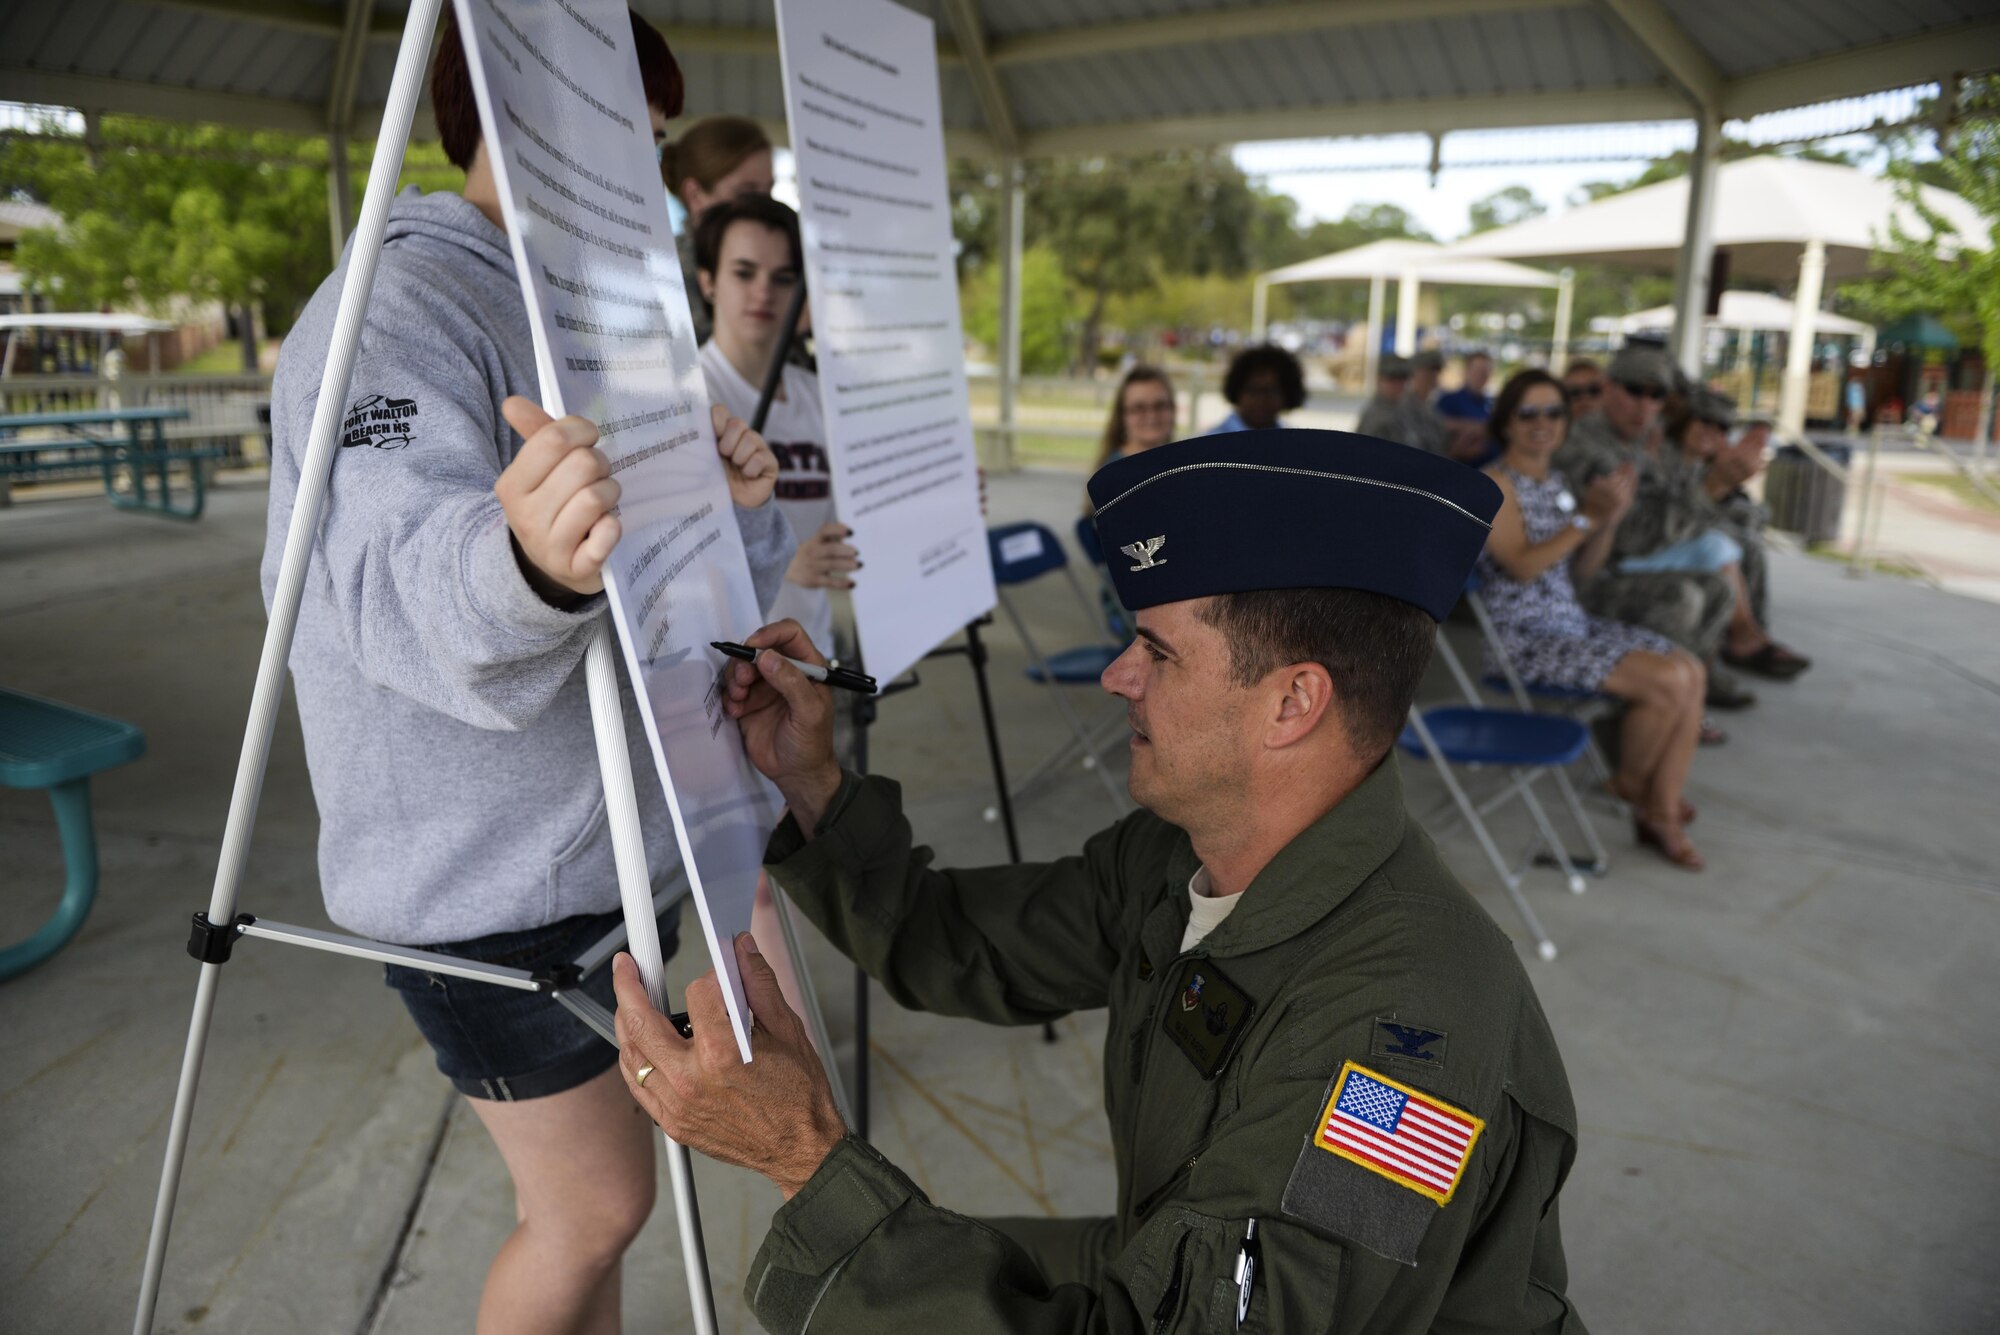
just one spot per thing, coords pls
(58, 747)
(128, 442)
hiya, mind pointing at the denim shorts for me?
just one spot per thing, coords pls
(1705, 553)
(502, 1043)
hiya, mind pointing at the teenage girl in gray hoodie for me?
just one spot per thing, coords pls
(439, 674)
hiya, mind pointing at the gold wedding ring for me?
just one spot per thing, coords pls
(639, 1076)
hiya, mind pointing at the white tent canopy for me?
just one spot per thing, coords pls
(1749, 311)
(1774, 217)
(1393, 258)
(1412, 264)
(1767, 209)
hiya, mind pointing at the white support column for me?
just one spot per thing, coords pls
(1260, 304)
(1697, 256)
(1406, 314)
(1371, 359)
(1982, 435)
(1798, 353)
(1565, 304)
(1012, 217)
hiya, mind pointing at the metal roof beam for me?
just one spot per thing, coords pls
(348, 58)
(291, 15)
(1933, 56)
(1236, 22)
(133, 97)
(1426, 115)
(993, 105)
(1662, 35)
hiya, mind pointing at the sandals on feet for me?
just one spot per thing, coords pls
(1774, 660)
(1671, 842)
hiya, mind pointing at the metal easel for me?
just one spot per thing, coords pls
(217, 930)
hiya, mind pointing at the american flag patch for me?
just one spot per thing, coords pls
(1401, 1133)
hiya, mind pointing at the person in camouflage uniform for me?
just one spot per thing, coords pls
(1691, 608)
(1382, 415)
(1737, 513)
(1419, 425)
(1716, 470)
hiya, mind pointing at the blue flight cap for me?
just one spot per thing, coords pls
(1291, 509)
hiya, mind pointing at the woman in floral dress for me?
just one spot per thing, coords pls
(1545, 540)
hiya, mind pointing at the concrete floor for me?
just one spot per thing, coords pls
(1784, 1067)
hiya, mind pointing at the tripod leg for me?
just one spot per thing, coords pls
(694, 1252)
(976, 651)
(315, 471)
(177, 1136)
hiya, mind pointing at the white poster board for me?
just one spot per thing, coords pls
(567, 131)
(861, 93)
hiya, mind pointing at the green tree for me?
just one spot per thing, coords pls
(168, 211)
(1505, 207)
(1339, 301)
(1122, 225)
(1938, 271)
(1045, 310)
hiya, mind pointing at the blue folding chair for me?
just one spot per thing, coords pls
(1575, 712)
(1586, 707)
(1021, 553)
(1117, 620)
(1526, 746)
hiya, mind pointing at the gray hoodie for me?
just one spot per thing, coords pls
(447, 724)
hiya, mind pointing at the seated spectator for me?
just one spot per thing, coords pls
(1381, 416)
(1420, 426)
(1465, 411)
(1262, 382)
(1698, 432)
(1583, 388)
(1142, 415)
(1544, 540)
(1690, 606)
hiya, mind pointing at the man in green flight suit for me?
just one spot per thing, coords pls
(1334, 1100)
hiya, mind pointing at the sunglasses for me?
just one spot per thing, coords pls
(1590, 391)
(1553, 412)
(1643, 391)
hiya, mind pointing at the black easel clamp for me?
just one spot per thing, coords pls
(559, 978)
(211, 944)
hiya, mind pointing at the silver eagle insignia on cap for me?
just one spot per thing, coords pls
(1142, 552)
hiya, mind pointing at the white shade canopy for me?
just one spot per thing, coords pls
(1766, 209)
(1756, 311)
(1431, 264)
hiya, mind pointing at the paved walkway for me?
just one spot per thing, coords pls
(1784, 1068)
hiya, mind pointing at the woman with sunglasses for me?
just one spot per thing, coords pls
(1544, 542)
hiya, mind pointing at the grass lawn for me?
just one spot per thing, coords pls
(225, 358)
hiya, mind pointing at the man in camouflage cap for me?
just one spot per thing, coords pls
(1690, 607)
(1381, 416)
(1334, 1102)
(1418, 424)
